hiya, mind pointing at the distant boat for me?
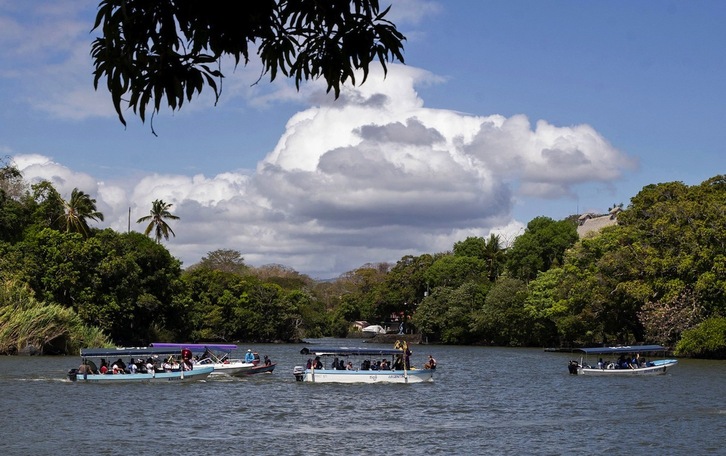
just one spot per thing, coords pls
(145, 364)
(222, 363)
(360, 365)
(623, 361)
(374, 329)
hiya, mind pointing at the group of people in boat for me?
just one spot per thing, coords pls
(151, 365)
(367, 364)
(624, 362)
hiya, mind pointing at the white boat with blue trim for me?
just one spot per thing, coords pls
(623, 361)
(361, 365)
(145, 364)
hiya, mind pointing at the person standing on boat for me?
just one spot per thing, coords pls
(249, 356)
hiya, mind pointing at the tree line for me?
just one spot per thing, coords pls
(657, 276)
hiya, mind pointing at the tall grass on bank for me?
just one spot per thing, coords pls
(26, 322)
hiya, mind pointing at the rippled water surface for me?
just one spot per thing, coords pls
(483, 401)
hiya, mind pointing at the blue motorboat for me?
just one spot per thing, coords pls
(623, 361)
(137, 364)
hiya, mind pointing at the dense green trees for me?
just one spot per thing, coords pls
(541, 246)
(657, 277)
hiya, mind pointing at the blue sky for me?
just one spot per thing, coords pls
(504, 111)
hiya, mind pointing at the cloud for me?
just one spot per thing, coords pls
(370, 177)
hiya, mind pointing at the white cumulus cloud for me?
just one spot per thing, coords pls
(370, 177)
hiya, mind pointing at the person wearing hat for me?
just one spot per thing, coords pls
(249, 357)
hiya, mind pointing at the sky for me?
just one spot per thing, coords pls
(504, 111)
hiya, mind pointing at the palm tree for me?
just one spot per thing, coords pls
(159, 212)
(77, 209)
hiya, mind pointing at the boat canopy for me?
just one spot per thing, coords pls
(349, 351)
(624, 349)
(128, 351)
(195, 347)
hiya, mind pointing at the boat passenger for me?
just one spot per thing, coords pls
(622, 363)
(431, 364)
(150, 368)
(317, 364)
(267, 361)
(309, 365)
(104, 366)
(350, 366)
(335, 364)
(131, 368)
(84, 369)
(601, 364)
(385, 365)
(249, 356)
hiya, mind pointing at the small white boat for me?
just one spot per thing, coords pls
(374, 329)
(360, 365)
(623, 361)
(222, 363)
(145, 364)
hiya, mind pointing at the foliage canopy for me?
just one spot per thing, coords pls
(170, 49)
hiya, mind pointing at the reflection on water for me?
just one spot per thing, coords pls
(483, 401)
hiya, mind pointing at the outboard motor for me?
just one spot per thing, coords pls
(73, 375)
(298, 372)
(572, 367)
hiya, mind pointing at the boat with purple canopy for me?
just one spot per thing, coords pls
(219, 357)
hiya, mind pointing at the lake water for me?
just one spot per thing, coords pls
(484, 400)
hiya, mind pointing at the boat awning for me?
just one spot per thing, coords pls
(120, 352)
(623, 349)
(195, 347)
(349, 351)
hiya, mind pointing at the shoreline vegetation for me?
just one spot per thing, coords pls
(654, 275)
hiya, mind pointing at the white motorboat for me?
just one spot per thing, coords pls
(221, 361)
(360, 365)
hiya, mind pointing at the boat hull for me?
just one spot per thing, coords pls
(241, 369)
(158, 377)
(658, 367)
(259, 369)
(369, 376)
